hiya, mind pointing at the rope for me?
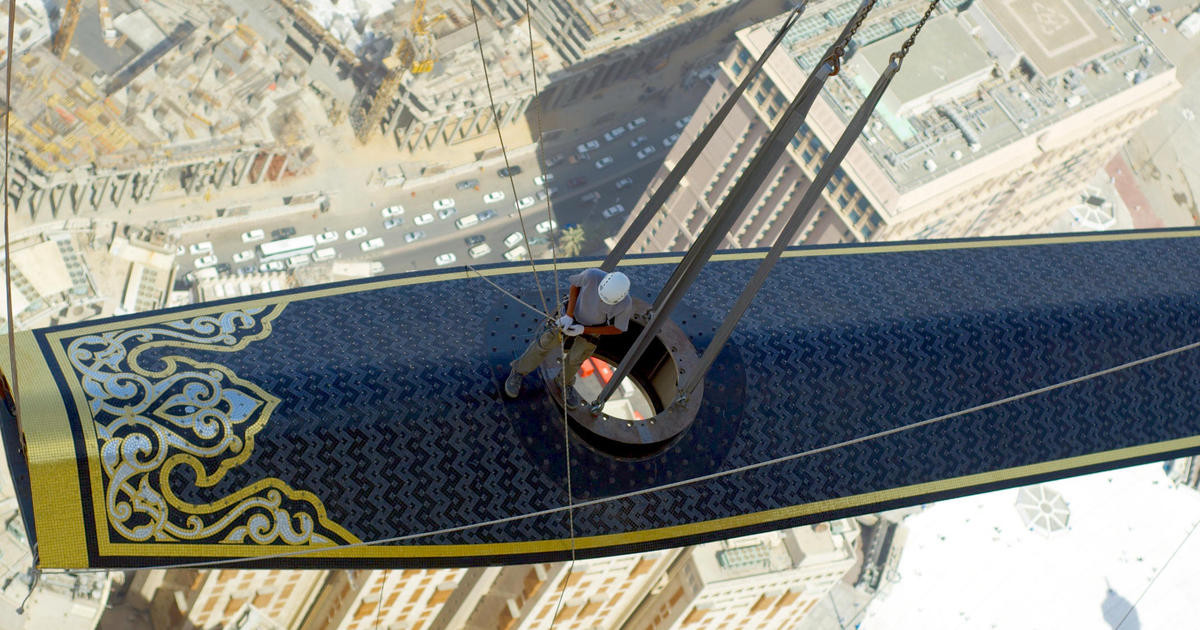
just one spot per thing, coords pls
(382, 594)
(506, 292)
(503, 149)
(541, 156)
(12, 339)
(1155, 578)
(570, 491)
(724, 473)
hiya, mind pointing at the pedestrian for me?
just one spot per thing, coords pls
(598, 304)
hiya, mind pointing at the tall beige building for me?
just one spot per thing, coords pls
(997, 118)
(193, 598)
(764, 581)
(395, 598)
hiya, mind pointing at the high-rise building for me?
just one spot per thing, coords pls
(763, 581)
(994, 123)
(599, 593)
(360, 600)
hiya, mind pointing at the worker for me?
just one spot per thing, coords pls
(598, 305)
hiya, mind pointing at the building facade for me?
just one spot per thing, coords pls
(997, 138)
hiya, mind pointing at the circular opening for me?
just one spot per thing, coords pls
(628, 402)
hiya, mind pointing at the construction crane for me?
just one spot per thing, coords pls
(66, 28)
(414, 53)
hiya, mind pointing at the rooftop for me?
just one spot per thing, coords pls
(927, 127)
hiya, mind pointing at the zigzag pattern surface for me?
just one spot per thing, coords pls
(390, 409)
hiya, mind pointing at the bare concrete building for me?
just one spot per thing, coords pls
(993, 125)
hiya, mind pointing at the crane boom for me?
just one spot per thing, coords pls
(66, 28)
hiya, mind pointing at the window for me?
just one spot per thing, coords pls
(863, 205)
(855, 216)
(744, 56)
(771, 112)
(808, 156)
(760, 97)
(737, 69)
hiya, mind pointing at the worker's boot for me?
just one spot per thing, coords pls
(512, 384)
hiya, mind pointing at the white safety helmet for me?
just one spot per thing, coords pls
(613, 287)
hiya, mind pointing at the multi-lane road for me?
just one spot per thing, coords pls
(580, 193)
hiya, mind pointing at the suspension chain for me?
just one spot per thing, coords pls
(898, 56)
(834, 59)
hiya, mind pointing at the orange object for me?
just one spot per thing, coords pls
(638, 416)
(604, 369)
(586, 369)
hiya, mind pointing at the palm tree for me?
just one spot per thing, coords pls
(571, 241)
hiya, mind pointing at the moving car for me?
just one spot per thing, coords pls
(354, 233)
(467, 183)
(446, 212)
(414, 236)
(474, 240)
(556, 160)
(513, 239)
(604, 161)
(486, 215)
(542, 179)
(201, 249)
(442, 204)
(613, 211)
(253, 235)
(633, 144)
(445, 259)
(424, 219)
(590, 145)
(374, 243)
(511, 170)
(243, 256)
(327, 237)
(392, 211)
(206, 261)
(494, 196)
(623, 182)
(545, 226)
(393, 222)
(591, 197)
(480, 250)
(645, 152)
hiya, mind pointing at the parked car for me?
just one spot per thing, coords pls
(206, 261)
(474, 240)
(645, 152)
(633, 144)
(635, 123)
(393, 222)
(424, 219)
(494, 196)
(513, 239)
(670, 140)
(327, 237)
(509, 171)
(392, 211)
(613, 211)
(442, 204)
(243, 256)
(466, 184)
(445, 259)
(591, 197)
(245, 269)
(614, 133)
(253, 236)
(201, 249)
(181, 250)
(374, 243)
(604, 162)
(545, 226)
(223, 268)
(517, 253)
(414, 236)
(323, 254)
(486, 215)
(590, 145)
(480, 250)
(354, 233)
(282, 233)
(556, 160)
(623, 182)
(682, 122)
(525, 202)
(542, 179)
(446, 212)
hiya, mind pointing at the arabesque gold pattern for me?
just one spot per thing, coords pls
(192, 414)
